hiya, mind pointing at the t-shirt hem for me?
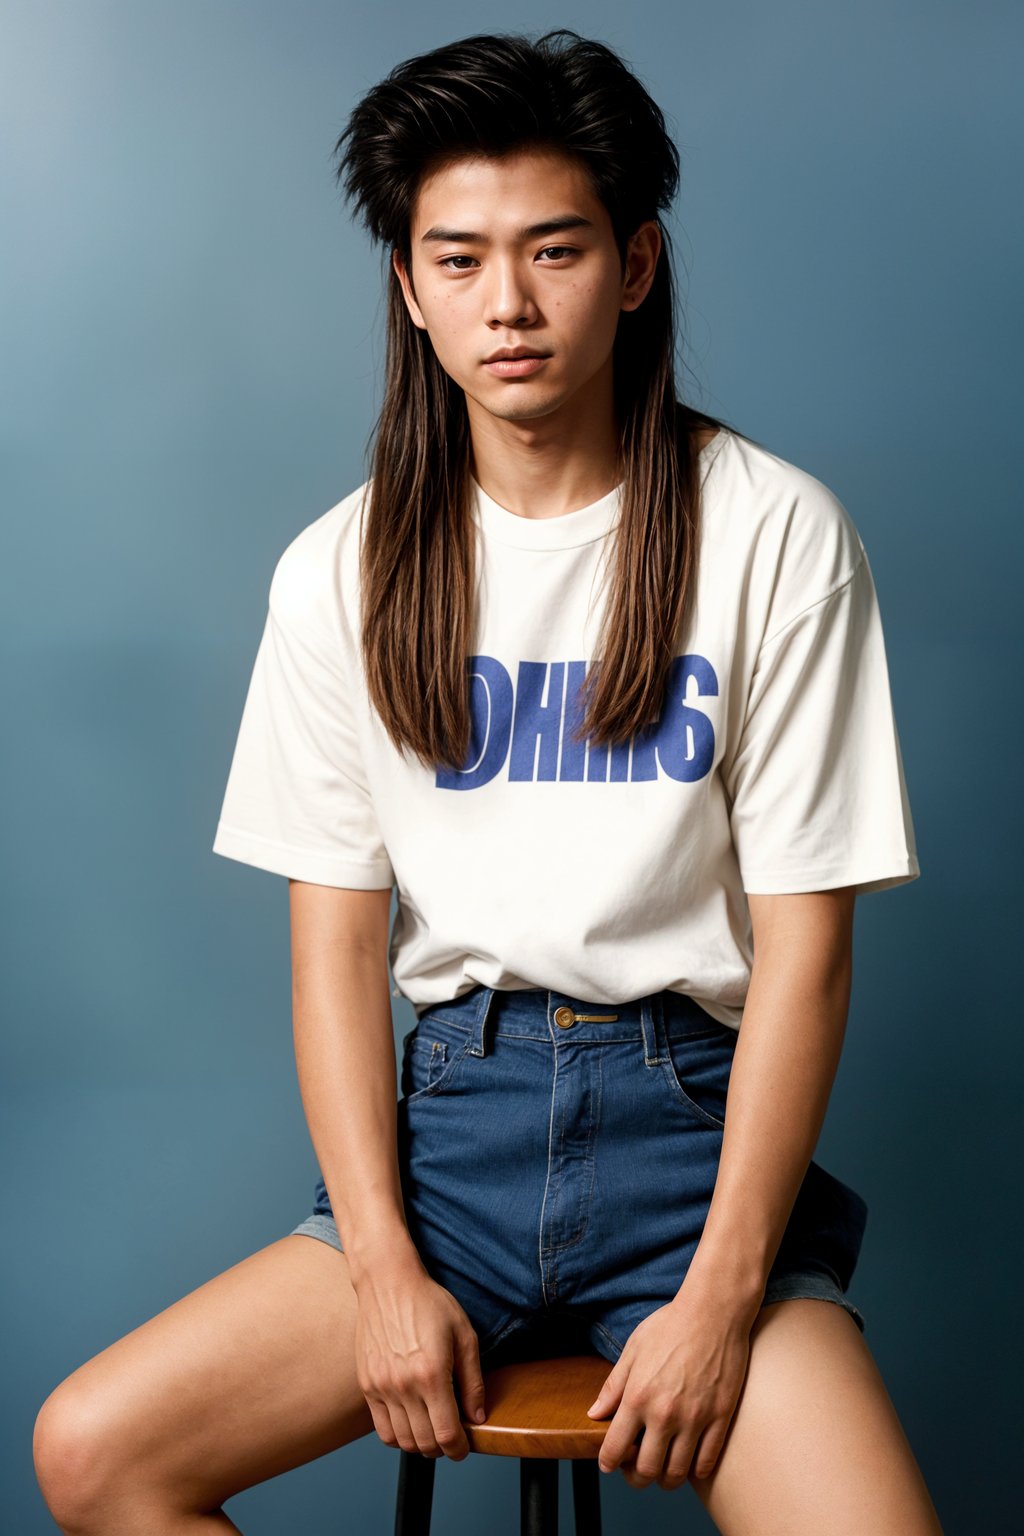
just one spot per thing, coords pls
(301, 863)
(865, 878)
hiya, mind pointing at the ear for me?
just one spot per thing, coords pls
(407, 291)
(642, 254)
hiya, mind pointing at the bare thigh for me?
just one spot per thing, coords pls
(247, 1376)
(815, 1444)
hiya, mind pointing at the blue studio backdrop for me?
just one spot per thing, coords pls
(192, 343)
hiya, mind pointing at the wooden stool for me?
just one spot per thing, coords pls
(536, 1410)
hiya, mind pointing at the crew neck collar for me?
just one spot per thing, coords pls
(568, 529)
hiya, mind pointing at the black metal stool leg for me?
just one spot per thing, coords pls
(586, 1497)
(538, 1496)
(415, 1494)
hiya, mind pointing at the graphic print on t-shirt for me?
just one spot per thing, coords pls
(514, 730)
(773, 765)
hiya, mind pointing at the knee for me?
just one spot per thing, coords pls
(72, 1450)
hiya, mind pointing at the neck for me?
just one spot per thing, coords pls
(547, 465)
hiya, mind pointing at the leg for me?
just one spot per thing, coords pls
(815, 1445)
(246, 1377)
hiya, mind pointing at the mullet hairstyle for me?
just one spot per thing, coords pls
(495, 95)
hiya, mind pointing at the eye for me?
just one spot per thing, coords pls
(556, 252)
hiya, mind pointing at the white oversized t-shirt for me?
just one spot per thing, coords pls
(602, 874)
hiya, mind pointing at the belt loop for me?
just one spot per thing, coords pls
(478, 1047)
(651, 1022)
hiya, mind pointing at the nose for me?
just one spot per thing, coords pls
(509, 300)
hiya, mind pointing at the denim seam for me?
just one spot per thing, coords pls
(583, 1226)
(548, 1298)
(681, 1095)
(613, 1341)
(447, 1074)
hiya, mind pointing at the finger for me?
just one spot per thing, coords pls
(607, 1400)
(422, 1425)
(677, 1462)
(706, 1456)
(382, 1422)
(650, 1459)
(628, 1461)
(446, 1423)
(621, 1433)
(403, 1429)
(470, 1376)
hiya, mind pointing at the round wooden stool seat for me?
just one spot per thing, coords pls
(539, 1408)
(536, 1410)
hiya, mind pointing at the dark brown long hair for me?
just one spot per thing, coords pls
(494, 94)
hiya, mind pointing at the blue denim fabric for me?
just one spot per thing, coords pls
(557, 1176)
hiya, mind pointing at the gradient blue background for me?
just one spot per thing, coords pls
(191, 339)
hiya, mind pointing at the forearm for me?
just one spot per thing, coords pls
(784, 1065)
(345, 1059)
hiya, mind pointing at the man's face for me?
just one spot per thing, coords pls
(519, 253)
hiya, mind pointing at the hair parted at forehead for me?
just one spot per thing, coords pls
(496, 93)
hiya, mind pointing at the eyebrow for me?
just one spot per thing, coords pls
(528, 232)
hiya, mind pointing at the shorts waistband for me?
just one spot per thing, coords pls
(545, 1015)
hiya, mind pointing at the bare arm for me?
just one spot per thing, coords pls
(681, 1372)
(345, 1058)
(412, 1335)
(785, 1063)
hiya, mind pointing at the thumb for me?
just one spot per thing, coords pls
(608, 1397)
(469, 1375)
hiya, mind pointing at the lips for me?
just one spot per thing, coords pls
(517, 366)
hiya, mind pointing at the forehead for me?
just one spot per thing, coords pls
(506, 191)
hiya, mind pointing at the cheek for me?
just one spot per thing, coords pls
(450, 335)
(444, 320)
(589, 315)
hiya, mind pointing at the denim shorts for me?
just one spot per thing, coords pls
(557, 1161)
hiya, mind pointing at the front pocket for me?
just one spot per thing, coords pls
(697, 1067)
(432, 1051)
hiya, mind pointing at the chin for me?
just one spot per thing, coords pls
(517, 402)
(524, 410)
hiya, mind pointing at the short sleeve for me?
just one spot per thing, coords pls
(297, 802)
(817, 789)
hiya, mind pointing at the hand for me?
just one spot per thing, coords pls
(411, 1335)
(677, 1380)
